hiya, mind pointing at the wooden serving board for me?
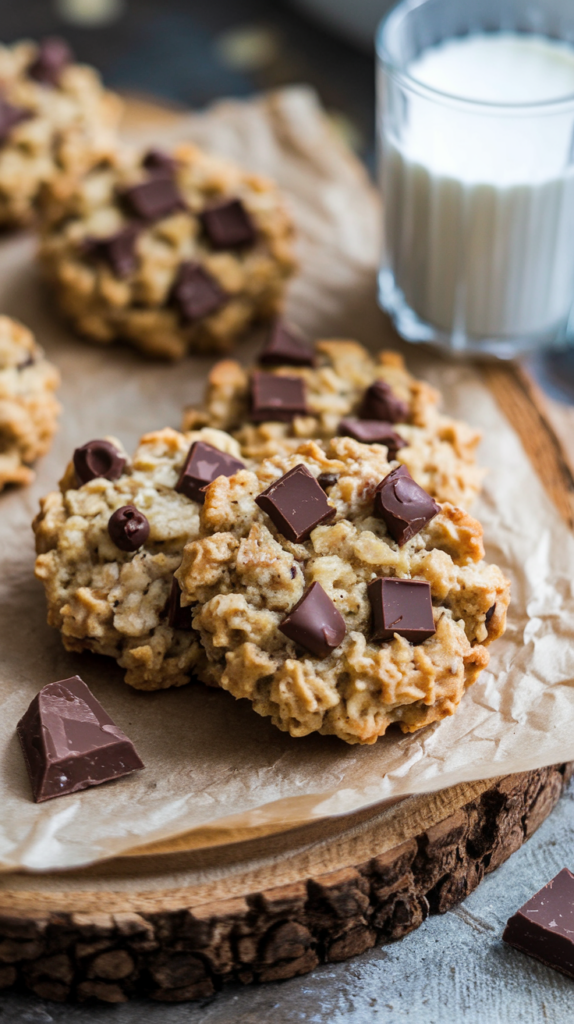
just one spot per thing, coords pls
(173, 925)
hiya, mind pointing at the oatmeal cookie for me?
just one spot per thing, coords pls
(339, 597)
(110, 540)
(55, 119)
(346, 390)
(173, 252)
(28, 408)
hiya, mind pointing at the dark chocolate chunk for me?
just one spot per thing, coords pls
(70, 743)
(327, 480)
(381, 403)
(10, 116)
(403, 607)
(275, 397)
(373, 432)
(178, 617)
(544, 926)
(28, 361)
(157, 161)
(286, 347)
(118, 250)
(128, 528)
(203, 464)
(296, 504)
(403, 505)
(228, 225)
(98, 458)
(53, 56)
(151, 200)
(315, 623)
(196, 293)
(490, 613)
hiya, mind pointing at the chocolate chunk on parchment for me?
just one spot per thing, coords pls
(70, 743)
(403, 607)
(373, 432)
(403, 505)
(10, 116)
(54, 55)
(296, 504)
(544, 926)
(381, 403)
(285, 346)
(153, 199)
(228, 225)
(117, 250)
(203, 464)
(315, 623)
(276, 397)
(196, 293)
(98, 458)
(128, 528)
(178, 617)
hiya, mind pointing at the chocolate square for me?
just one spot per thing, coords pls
(154, 199)
(196, 293)
(373, 432)
(54, 55)
(10, 116)
(381, 403)
(228, 225)
(69, 742)
(544, 926)
(203, 464)
(285, 346)
(275, 397)
(405, 507)
(178, 617)
(118, 251)
(296, 504)
(157, 161)
(403, 607)
(315, 623)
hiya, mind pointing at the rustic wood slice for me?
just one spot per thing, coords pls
(173, 928)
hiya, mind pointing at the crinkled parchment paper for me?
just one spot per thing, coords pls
(211, 762)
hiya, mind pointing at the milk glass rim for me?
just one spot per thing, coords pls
(398, 12)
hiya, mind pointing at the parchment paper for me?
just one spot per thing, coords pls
(213, 764)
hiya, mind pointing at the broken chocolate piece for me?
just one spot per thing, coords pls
(315, 623)
(286, 347)
(381, 403)
(403, 607)
(128, 528)
(228, 225)
(52, 58)
(196, 293)
(10, 116)
(404, 506)
(70, 743)
(154, 199)
(275, 397)
(118, 250)
(296, 504)
(203, 464)
(490, 613)
(327, 480)
(373, 432)
(157, 161)
(544, 926)
(98, 458)
(178, 617)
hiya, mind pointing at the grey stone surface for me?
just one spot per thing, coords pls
(454, 968)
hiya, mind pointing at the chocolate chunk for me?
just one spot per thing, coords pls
(381, 403)
(203, 464)
(286, 347)
(275, 397)
(27, 362)
(315, 623)
(98, 458)
(544, 926)
(327, 480)
(228, 225)
(196, 293)
(403, 607)
(296, 504)
(490, 613)
(373, 432)
(154, 199)
(178, 617)
(52, 58)
(118, 250)
(403, 505)
(157, 161)
(70, 743)
(10, 116)
(128, 528)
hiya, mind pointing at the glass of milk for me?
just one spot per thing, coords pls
(476, 134)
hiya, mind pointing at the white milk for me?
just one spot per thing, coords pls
(479, 201)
